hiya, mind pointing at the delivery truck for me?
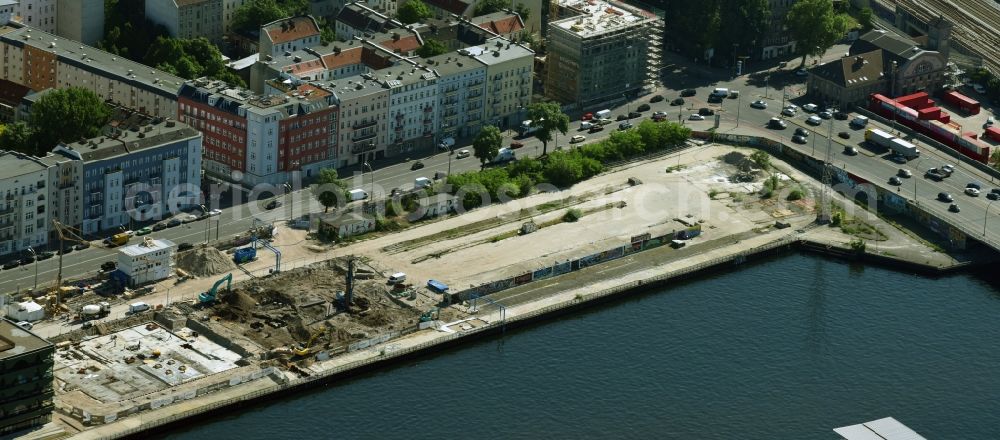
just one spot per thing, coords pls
(899, 146)
(504, 155)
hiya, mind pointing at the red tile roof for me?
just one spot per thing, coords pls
(283, 31)
(404, 45)
(504, 26)
(346, 57)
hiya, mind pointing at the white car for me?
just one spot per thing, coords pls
(972, 192)
(577, 139)
(696, 117)
(810, 107)
(758, 104)
(463, 154)
(788, 112)
(792, 106)
(814, 120)
(825, 115)
(214, 212)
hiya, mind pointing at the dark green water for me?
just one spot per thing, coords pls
(785, 349)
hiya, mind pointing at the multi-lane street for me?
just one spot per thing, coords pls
(736, 116)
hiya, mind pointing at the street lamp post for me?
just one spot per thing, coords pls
(372, 172)
(208, 222)
(739, 103)
(34, 256)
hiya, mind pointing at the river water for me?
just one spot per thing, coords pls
(788, 348)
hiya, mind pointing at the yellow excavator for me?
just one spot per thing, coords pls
(308, 348)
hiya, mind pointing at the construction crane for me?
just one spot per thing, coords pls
(65, 233)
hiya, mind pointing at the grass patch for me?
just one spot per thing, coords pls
(572, 215)
(675, 168)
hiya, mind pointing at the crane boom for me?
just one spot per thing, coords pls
(65, 233)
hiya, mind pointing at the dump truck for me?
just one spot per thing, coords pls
(897, 145)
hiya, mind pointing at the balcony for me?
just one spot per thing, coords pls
(364, 124)
(364, 137)
(428, 109)
(400, 116)
(428, 120)
(361, 148)
(449, 92)
(6, 210)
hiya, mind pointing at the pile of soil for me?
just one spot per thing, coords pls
(205, 262)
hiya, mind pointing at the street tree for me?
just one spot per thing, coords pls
(486, 146)
(549, 119)
(329, 188)
(762, 159)
(413, 11)
(523, 11)
(866, 17)
(994, 157)
(695, 24)
(815, 26)
(17, 137)
(431, 48)
(745, 21)
(254, 13)
(67, 115)
(490, 6)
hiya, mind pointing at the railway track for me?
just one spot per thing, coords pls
(977, 24)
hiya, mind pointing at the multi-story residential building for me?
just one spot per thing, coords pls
(601, 52)
(413, 101)
(25, 379)
(39, 14)
(325, 8)
(137, 175)
(80, 20)
(288, 35)
(253, 139)
(229, 7)
(504, 23)
(461, 93)
(24, 214)
(188, 18)
(508, 79)
(776, 41)
(8, 9)
(147, 261)
(364, 114)
(40, 60)
(358, 19)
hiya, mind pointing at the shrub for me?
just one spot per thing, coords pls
(572, 215)
(795, 194)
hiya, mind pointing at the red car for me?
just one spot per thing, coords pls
(587, 117)
(515, 145)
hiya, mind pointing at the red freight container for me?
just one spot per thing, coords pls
(963, 102)
(944, 118)
(916, 101)
(993, 133)
(929, 113)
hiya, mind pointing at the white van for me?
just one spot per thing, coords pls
(357, 194)
(860, 121)
(421, 182)
(586, 125)
(603, 114)
(720, 92)
(137, 307)
(397, 278)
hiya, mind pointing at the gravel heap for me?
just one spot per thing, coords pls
(205, 261)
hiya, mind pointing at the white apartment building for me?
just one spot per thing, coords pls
(188, 18)
(509, 69)
(80, 20)
(40, 60)
(413, 102)
(461, 91)
(24, 216)
(364, 114)
(288, 35)
(150, 260)
(39, 14)
(8, 9)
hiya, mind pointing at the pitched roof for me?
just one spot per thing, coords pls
(898, 48)
(457, 7)
(500, 23)
(404, 45)
(290, 29)
(346, 57)
(358, 16)
(853, 70)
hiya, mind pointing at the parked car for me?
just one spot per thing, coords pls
(788, 111)
(108, 266)
(814, 120)
(577, 139)
(621, 117)
(696, 117)
(272, 204)
(173, 222)
(643, 108)
(677, 101)
(903, 172)
(895, 181)
(417, 165)
(11, 264)
(705, 111)
(81, 246)
(596, 129)
(159, 227)
(945, 197)
(844, 135)
(625, 126)
(214, 212)
(850, 151)
(841, 116)
(463, 154)
(632, 115)
(758, 104)
(46, 255)
(972, 192)
(802, 72)
(810, 107)
(189, 218)
(513, 146)
(799, 139)
(688, 92)
(144, 231)
(66, 250)
(825, 115)
(656, 98)
(25, 325)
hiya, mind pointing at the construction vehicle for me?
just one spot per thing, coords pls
(210, 296)
(431, 315)
(118, 239)
(95, 311)
(308, 348)
(244, 255)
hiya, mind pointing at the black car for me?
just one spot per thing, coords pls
(66, 250)
(108, 266)
(945, 197)
(46, 255)
(621, 118)
(438, 175)
(677, 101)
(27, 260)
(705, 111)
(954, 208)
(625, 126)
(596, 128)
(643, 108)
(776, 124)
(844, 135)
(895, 181)
(992, 196)
(656, 98)
(689, 92)
(799, 139)
(272, 204)
(801, 132)
(11, 264)
(81, 246)
(184, 246)
(173, 222)
(841, 116)
(714, 99)
(850, 151)
(159, 226)
(633, 115)
(417, 165)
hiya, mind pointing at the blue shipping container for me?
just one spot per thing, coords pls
(437, 286)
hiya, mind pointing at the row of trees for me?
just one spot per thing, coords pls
(735, 27)
(562, 168)
(61, 115)
(255, 13)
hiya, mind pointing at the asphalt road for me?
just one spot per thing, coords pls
(736, 115)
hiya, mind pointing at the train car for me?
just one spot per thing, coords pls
(940, 130)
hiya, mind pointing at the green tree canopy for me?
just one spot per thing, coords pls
(329, 188)
(486, 146)
(745, 21)
(866, 17)
(190, 59)
(67, 115)
(549, 119)
(17, 137)
(490, 6)
(413, 11)
(694, 24)
(255, 13)
(523, 11)
(431, 48)
(815, 26)
(127, 32)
